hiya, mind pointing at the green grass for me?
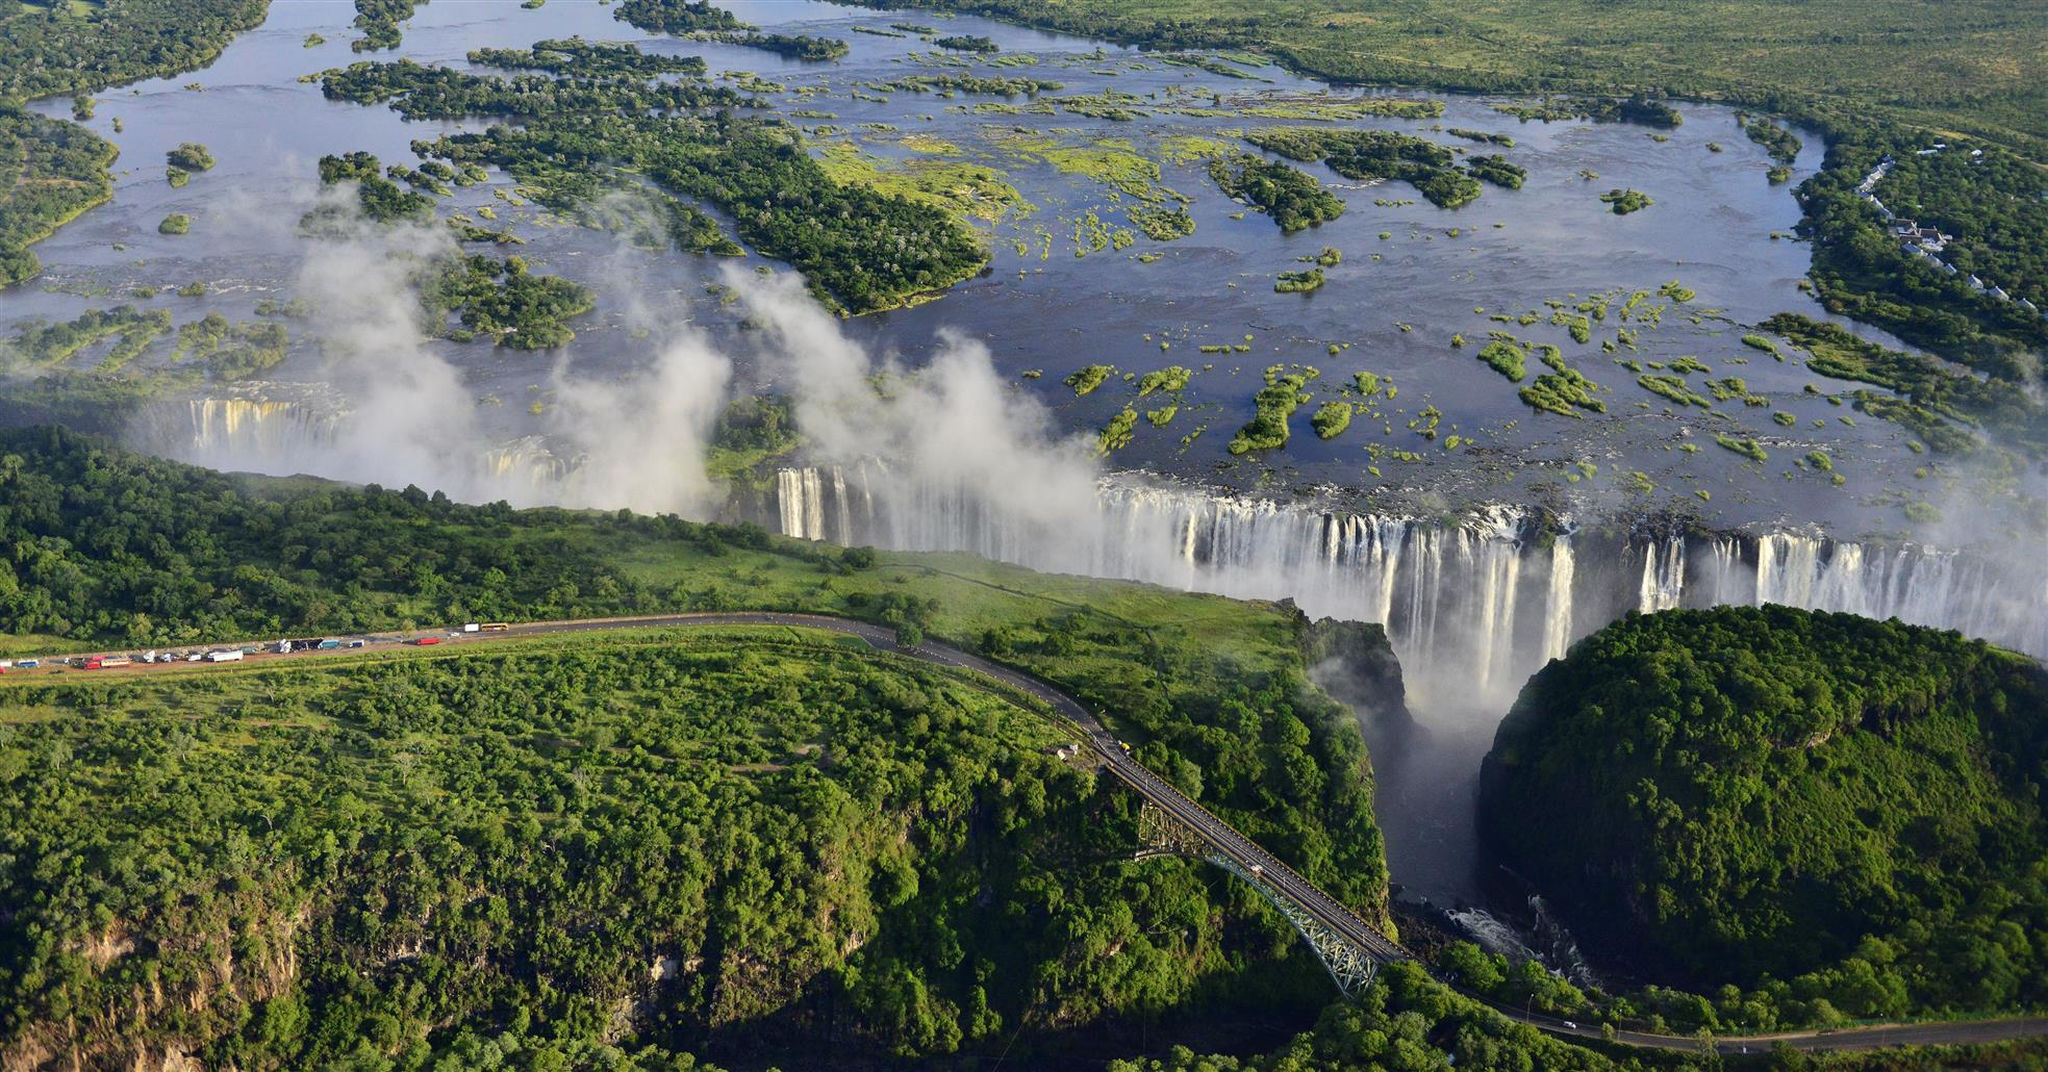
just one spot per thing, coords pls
(1980, 67)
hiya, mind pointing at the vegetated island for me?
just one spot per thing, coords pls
(860, 250)
(1365, 155)
(1622, 202)
(1840, 813)
(1292, 197)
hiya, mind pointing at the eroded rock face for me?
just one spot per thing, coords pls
(1355, 664)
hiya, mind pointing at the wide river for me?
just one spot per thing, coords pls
(1412, 277)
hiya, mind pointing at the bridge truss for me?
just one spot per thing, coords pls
(1351, 966)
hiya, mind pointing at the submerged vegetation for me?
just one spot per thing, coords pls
(1302, 282)
(1507, 358)
(788, 46)
(379, 20)
(1939, 403)
(190, 156)
(1331, 418)
(1497, 170)
(1089, 378)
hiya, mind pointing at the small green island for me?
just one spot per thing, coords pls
(1622, 202)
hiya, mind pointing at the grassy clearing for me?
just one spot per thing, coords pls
(966, 190)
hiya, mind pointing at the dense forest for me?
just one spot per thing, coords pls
(1841, 813)
(113, 547)
(1291, 196)
(738, 845)
(1410, 1023)
(51, 49)
(861, 250)
(677, 16)
(50, 171)
(1991, 204)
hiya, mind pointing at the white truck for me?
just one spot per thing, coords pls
(232, 655)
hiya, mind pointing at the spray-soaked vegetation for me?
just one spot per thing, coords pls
(1846, 804)
(1951, 400)
(229, 350)
(39, 345)
(646, 725)
(504, 300)
(379, 199)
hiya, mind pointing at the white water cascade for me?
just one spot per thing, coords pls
(254, 422)
(1473, 605)
(1557, 621)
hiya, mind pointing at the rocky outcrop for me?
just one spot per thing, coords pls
(1355, 664)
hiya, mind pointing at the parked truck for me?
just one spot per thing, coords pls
(231, 655)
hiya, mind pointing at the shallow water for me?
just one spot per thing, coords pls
(1709, 229)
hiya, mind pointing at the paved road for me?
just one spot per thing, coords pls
(1217, 834)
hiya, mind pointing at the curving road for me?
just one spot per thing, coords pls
(1220, 836)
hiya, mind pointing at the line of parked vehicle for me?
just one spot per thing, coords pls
(236, 654)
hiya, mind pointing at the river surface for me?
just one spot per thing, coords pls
(1391, 307)
(1047, 309)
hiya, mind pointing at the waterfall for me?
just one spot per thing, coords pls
(526, 464)
(1663, 582)
(242, 426)
(1557, 624)
(1449, 592)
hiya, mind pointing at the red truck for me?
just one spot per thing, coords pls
(426, 640)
